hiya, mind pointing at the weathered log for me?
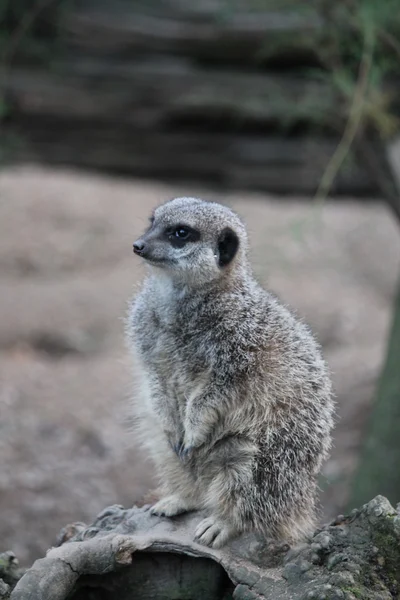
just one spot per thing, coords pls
(215, 31)
(151, 93)
(173, 88)
(162, 119)
(130, 554)
(281, 165)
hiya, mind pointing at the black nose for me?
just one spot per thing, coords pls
(138, 247)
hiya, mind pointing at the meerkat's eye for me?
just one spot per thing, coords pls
(182, 233)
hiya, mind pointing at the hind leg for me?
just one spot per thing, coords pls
(177, 492)
(230, 490)
(214, 532)
(180, 492)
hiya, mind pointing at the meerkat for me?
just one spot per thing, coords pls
(236, 404)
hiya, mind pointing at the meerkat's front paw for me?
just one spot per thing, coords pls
(193, 439)
(213, 532)
(169, 507)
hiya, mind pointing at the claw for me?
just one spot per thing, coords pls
(177, 448)
(181, 450)
(185, 452)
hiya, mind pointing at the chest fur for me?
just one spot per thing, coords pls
(174, 355)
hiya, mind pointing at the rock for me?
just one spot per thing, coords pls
(128, 553)
(4, 590)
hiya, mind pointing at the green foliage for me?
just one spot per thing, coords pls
(342, 47)
(356, 50)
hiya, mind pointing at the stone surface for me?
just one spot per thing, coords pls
(357, 556)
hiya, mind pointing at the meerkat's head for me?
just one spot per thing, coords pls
(193, 241)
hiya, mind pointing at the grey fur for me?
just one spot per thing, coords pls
(235, 402)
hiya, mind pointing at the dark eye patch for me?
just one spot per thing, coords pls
(179, 235)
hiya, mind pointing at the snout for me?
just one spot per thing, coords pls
(148, 248)
(139, 247)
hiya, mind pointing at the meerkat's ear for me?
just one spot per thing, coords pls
(228, 244)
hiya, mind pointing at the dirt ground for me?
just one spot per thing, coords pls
(66, 273)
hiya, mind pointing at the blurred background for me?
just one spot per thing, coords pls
(287, 111)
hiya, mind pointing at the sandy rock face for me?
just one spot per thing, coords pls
(66, 273)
